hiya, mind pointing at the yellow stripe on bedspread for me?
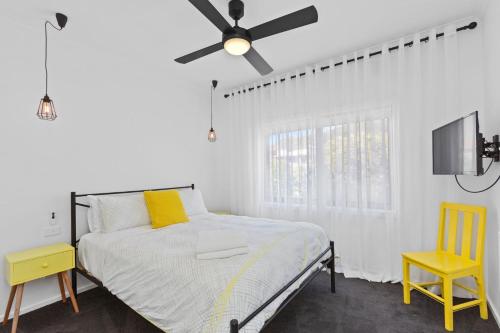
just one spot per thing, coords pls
(223, 300)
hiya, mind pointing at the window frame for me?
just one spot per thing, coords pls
(317, 126)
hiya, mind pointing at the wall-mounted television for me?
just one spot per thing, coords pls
(457, 147)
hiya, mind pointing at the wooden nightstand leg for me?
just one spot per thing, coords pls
(67, 282)
(9, 304)
(19, 298)
(61, 287)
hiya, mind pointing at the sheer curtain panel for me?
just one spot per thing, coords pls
(349, 148)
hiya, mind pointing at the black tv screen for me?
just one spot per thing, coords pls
(456, 147)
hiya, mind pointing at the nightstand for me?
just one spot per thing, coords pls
(26, 266)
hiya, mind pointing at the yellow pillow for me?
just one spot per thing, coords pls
(165, 208)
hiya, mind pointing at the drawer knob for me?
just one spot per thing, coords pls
(45, 265)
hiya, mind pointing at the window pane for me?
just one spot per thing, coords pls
(354, 171)
(289, 163)
(357, 164)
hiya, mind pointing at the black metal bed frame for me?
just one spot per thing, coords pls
(234, 325)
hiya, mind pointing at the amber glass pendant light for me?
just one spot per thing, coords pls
(46, 109)
(212, 137)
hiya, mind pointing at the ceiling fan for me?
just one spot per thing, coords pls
(238, 41)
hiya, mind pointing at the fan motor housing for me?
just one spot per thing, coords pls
(237, 32)
(236, 9)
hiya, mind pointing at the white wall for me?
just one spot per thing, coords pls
(122, 125)
(491, 29)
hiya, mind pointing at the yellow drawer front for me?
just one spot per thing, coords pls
(36, 268)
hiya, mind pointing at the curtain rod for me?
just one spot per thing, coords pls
(470, 26)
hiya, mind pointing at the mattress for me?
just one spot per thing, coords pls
(156, 272)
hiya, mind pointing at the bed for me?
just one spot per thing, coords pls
(156, 273)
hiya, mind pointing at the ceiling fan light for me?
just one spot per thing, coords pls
(237, 46)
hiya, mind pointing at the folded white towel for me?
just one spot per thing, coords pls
(222, 254)
(219, 243)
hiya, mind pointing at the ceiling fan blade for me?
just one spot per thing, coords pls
(288, 22)
(256, 60)
(207, 9)
(200, 53)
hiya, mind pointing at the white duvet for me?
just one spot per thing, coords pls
(156, 272)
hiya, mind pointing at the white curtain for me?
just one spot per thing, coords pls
(349, 147)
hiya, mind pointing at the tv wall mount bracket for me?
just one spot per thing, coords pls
(488, 150)
(491, 149)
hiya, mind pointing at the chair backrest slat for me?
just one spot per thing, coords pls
(453, 211)
(452, 230)
(467, 234)
(442, 228)
(481, 231)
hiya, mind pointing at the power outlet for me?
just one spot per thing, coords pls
(51, 231)
(53, 220)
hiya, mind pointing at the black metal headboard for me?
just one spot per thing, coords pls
(74, 195)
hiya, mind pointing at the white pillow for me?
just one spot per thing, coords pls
(93, 214)
(193, 203)
(113, 213)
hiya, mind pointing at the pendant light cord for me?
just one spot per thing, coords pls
(211, 107)
(46, 71)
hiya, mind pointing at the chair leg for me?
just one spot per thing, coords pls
(406, 281)
(448, 303)
(483, 306)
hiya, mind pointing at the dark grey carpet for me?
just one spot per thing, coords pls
(358, 306)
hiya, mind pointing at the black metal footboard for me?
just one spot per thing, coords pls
(235, 326)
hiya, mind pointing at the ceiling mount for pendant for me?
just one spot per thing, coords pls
(61, 20)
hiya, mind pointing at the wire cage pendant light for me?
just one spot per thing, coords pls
(212, 137)
(46, 109)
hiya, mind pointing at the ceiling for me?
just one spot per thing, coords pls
(153, 33)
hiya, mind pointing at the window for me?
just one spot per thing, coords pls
(344, 163)
(289, 166)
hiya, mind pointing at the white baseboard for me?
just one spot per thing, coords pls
(50, 300)
(494, 311)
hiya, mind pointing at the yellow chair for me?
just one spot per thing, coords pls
(450, 265)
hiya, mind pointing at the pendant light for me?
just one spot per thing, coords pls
(212, 137)
(46, 110)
